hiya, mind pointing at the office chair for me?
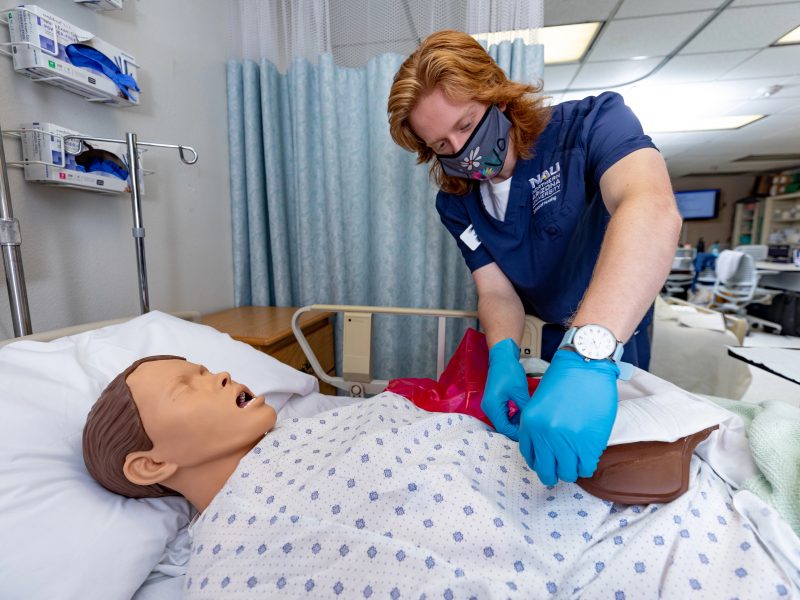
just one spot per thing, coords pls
(734, 292)
(682, 273)
(757, 251)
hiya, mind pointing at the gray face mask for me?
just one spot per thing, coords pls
(484, 153)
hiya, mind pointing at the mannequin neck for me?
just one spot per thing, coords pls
(200, 483)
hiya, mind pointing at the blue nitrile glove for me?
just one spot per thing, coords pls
(506, 381)
(565, 427)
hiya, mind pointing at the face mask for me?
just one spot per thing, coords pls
(484, 153)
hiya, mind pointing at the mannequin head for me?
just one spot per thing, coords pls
(166, 426)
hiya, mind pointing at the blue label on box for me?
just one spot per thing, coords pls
(47, 44)
(57, 157)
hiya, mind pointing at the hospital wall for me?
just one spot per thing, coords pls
(77, 249)
(732, 188)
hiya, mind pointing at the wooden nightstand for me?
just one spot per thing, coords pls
(269, 329)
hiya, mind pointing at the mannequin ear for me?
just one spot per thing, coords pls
(141, 469)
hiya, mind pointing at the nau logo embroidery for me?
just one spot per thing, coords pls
(545, 187)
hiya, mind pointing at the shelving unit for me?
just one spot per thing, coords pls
(747, 221)
(781, 219)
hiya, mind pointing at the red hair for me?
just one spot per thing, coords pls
(457, 64)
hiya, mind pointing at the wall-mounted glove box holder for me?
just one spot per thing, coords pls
(55, 155)
(46, 48)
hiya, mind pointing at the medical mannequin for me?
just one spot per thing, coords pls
(166, 426)
(564, 212)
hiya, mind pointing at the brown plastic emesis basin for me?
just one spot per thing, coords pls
(644, 472)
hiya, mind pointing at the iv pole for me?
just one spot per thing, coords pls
(132, 145)
(10, 240)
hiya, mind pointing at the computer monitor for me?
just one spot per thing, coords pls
(698, 204)
(779, 253)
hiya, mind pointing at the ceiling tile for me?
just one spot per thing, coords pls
(648, 36)
(690, 138)
(580, 95)
(672, 150)
(692, 68)
(563, 12)
(613, 73)
(767, 106)
(764, 136)
(678, 168)
(558, 77)
(746, 28)
(770, 62)
(648, 8)
(732, 91)
(738, 3)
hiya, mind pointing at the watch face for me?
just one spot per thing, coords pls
(594, 341)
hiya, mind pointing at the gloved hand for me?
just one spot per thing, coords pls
(566, 425)
(506, 381)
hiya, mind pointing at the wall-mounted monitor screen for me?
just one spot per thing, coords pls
(698, 204)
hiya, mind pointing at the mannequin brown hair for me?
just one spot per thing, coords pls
(457, 64)
(113, 430)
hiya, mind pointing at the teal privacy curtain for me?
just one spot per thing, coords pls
(327, 209)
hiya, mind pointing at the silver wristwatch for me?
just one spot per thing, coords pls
(595, 342)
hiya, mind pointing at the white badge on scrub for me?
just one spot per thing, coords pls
(470, 238)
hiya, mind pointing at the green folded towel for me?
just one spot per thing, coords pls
(773, 430)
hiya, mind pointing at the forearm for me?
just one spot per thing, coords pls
(502, 316)
(634, 261)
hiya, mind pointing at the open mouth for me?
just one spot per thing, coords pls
(243, 399)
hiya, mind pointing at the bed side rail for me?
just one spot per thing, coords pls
(356, 379)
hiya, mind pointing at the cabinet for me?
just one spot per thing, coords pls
(269, 329)
(781, 219)
(747, 221)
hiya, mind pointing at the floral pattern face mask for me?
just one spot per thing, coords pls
(484, 153)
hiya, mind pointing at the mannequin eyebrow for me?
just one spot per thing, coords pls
(179, 381)
(176, 384)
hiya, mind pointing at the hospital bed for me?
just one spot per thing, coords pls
(690, 349)
(73, 539)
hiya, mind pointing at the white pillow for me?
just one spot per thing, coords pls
(63, 535)
(652, 409)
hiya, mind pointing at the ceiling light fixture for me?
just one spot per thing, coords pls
(562, 43)
(793, 37)
(766, 92)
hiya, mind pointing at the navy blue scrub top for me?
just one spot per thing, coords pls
(555, 221)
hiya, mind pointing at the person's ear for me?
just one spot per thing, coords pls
(502, 106)
(141, 469)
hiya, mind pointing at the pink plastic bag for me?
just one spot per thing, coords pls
(460, 388)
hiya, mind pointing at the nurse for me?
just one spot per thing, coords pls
(566, 213)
